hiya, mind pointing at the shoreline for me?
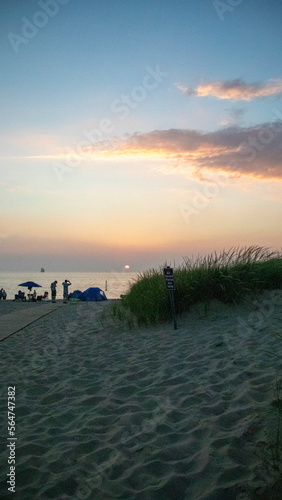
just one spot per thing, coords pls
(10, 305)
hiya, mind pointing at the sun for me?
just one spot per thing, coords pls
(126, 267)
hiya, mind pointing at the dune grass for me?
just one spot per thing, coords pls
(228, 276)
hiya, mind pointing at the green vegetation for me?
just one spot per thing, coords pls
(228, 277)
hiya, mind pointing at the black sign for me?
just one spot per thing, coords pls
(169, 281)
(169, 278)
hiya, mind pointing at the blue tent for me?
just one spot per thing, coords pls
(77, 294)
(93, 294)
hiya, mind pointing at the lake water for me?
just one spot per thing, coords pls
(113, 284)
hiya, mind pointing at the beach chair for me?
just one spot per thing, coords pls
(20, 296)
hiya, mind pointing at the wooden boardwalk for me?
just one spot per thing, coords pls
(15, 321)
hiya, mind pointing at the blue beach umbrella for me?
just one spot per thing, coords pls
(30, 284)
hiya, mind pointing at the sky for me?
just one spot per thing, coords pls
(135, 133)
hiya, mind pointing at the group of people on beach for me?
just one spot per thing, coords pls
(21, 295)
(66, 285)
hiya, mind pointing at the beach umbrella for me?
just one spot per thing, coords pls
(30, 284)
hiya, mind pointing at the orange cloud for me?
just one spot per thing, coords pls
(254, 151)
(236, 90)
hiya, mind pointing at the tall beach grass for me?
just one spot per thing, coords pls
(228, 276)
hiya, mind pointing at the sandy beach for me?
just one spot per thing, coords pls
(104, 412)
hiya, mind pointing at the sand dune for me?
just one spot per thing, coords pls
(153, 413)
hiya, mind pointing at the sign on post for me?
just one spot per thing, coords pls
(169, 281)
(169, 278)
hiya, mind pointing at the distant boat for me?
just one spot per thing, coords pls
(42, 270)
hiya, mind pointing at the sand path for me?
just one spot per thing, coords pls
(149, 414)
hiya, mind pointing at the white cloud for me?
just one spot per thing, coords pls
(236, 89)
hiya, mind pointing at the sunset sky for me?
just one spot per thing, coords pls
(137, 132)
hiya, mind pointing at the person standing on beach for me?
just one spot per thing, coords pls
(53, 290)
(66, 285)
